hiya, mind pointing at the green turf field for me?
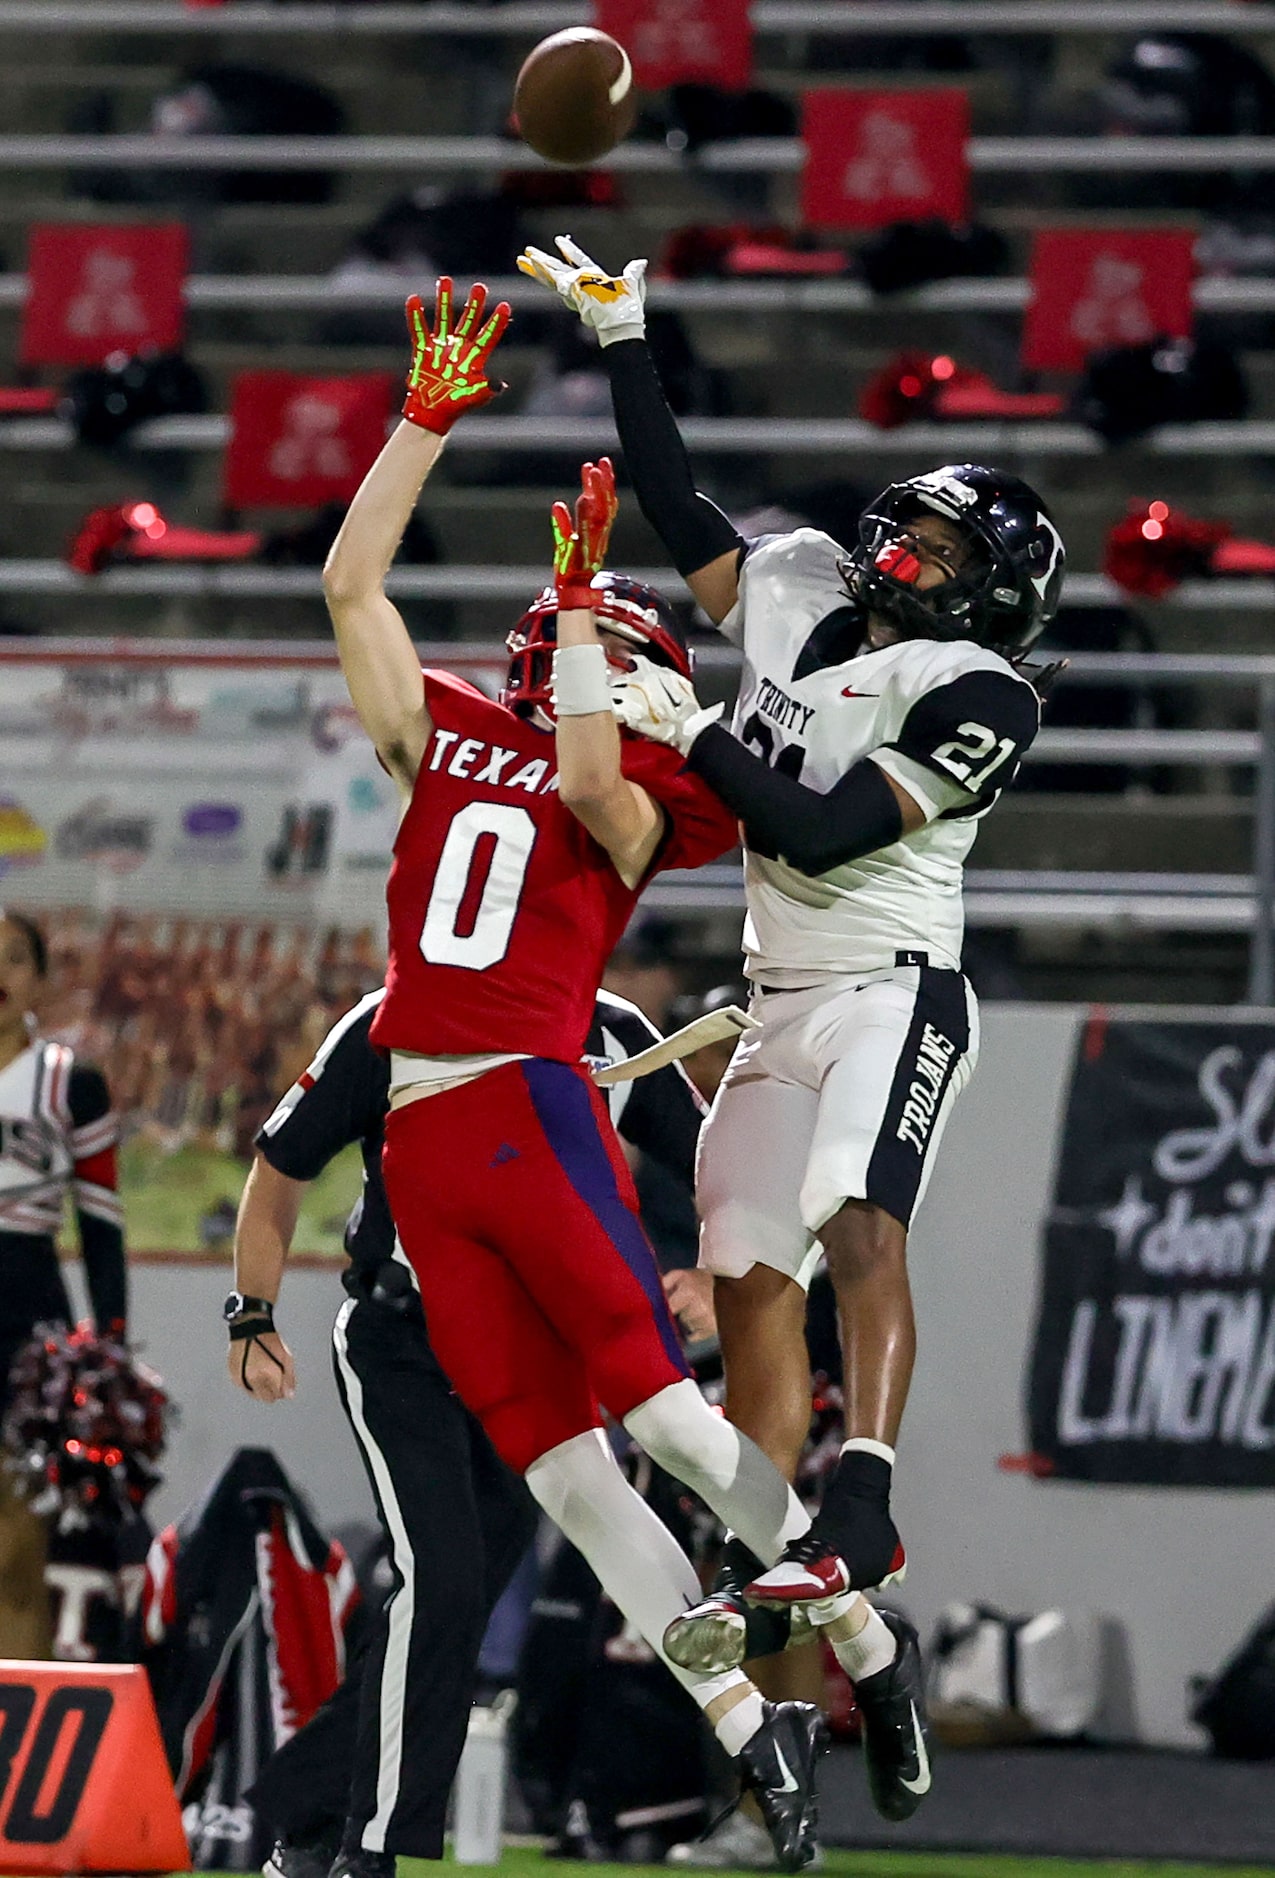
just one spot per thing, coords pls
(518, 1863)
(185, 1202)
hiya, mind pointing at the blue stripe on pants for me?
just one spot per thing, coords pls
(565, 1113)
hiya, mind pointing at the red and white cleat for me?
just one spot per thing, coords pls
(810, 1571)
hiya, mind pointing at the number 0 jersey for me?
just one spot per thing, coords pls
(948, 720)
(503, 908)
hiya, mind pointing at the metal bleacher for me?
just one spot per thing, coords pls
(1161, 882)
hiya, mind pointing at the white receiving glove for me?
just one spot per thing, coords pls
(660, 704)
(612, 304)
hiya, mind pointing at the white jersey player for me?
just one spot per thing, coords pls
(881, 713)
(876, 937)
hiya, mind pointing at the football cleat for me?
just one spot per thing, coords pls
(736, 1843)
(896, 1734)
(811, 1570)
(778, 1768)
(363, 1864)
(711, 1637)
(288, 1859)
(722, 1630)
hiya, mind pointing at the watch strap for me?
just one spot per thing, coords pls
(251, 1324)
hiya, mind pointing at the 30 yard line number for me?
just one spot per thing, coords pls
(477, 886)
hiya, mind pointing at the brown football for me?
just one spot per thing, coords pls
(574, 99)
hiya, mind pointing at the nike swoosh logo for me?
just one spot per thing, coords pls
(789, 1784)
(850, 692)
(922, 1782)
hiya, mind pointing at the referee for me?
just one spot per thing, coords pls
(368, 1778)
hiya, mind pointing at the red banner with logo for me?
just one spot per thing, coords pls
(298, 442)
(674, 42)
(1105, 287)
(875, 157)
(93, 291)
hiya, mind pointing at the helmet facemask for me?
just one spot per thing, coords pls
(1010, 578)
(883, 573)
(627, 608)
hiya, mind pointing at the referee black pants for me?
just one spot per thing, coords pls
(382, 1753)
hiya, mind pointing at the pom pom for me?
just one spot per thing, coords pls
(902, 392)
(136, 531)
(85, 1426)
(1155, 547)
(918, 385)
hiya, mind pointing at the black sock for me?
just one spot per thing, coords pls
(855, 1518)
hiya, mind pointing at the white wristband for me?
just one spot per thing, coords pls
(581, 681)
(629, 326)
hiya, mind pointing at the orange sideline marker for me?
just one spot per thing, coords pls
(84, 1782)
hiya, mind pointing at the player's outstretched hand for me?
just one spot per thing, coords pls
(612, 304)
(448, 374)
(660, 704)
(580, 542)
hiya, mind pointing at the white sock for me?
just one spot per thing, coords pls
(863, 1444)
(737, 1727)
(870, 1649)
(727, 1470)
(633, 1554)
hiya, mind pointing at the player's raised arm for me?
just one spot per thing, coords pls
(704, 546)
(620, 815)
(813, 830)
(448, 377)
(931, 769)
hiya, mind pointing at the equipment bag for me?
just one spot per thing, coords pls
(1044, 1668)
(1237, 1707)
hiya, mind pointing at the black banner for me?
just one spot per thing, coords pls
(1154, 1359)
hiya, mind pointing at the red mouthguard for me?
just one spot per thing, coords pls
(899, 562)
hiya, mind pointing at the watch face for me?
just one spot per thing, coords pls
(233, 1305)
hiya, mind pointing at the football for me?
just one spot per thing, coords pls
(574, 99)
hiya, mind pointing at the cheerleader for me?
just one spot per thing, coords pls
(58, 1135)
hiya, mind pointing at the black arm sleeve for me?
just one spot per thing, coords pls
(692, 528)
(97, 1210)
(814, 833)
(341, 1098)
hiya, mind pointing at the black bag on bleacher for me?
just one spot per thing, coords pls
(1237, 1708)
(105, 402)
(220, 100)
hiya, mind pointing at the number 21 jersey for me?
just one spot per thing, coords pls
(948, 719)
(503, 909)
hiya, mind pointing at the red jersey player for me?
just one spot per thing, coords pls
(530, 827)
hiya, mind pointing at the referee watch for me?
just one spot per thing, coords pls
(238, 1306)
(248, 1320)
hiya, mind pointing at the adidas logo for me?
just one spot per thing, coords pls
(503, 1153)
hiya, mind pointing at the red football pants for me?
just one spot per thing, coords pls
(542, 1297)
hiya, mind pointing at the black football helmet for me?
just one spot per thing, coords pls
(1010, 587)
(628, 608)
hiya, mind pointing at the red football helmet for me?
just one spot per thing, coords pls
(630, 609)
